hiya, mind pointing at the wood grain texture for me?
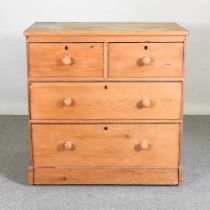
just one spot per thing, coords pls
(106, 145)
(129, 175)
(30, 175)
(46, 60)
(104, 38)
(101, 79)
(86, 93)
(98, 121)
(181, 175)
(94, 101)
(104, 28)
(105, 61)
(125, 60)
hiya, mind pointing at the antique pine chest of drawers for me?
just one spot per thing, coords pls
(105, 102)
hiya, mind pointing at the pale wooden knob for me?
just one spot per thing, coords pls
(67, 60)
(144, 145)
(146, 60)
(68, 145)
(146, 102)
(68, 101)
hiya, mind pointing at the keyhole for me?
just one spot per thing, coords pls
(66, 47)
(105, 87)
(145, 47)
(105, 128)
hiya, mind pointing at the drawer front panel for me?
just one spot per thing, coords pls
(145, 100)
(152, 145)
(66, 60)
(133, 60)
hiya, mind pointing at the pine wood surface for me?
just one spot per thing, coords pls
(125, 60)
(106, 102)
(106, 175)
(106, 145)
(105, 28)
(105, 38)
(94, 101)
(46, 59)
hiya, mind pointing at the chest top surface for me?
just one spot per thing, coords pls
(105, 28)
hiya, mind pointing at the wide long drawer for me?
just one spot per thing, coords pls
(144, 145)
(114, 100)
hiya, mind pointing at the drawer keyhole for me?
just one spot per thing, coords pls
(66, 48)
(105, 128)
(105, 87)
(145, 47)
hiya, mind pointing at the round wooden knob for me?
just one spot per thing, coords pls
(146, 102)
(68, 145)
(68, 101)
(144, 145)
(67, 60)
(146, 60)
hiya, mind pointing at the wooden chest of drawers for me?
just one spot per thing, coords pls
(105, 102)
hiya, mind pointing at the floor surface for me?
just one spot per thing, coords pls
(15, 193)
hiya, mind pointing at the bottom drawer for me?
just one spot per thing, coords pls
(90, 145)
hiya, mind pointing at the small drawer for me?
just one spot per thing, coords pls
(133, 60)
(143, 145)
(66, 60)
(111, 100)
